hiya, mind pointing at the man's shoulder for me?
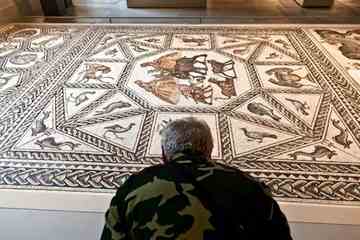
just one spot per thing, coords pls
(243, 180)
(145, 175)
(236, 172)
(138, 179)
(216, 174)
(150, 171)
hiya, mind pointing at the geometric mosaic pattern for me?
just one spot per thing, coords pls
(81, 106)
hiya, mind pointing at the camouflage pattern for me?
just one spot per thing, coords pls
(192, 198)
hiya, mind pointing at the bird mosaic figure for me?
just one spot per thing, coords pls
(287, 77)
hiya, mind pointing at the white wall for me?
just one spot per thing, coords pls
(49, 225)
(325, 232)
(58, 225)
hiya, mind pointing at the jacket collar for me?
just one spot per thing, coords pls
(188, 156)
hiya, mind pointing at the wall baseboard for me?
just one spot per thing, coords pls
(167, 3)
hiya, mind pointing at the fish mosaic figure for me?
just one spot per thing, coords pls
(112, 107)
(51, 143)
(257, 136)
(301, 107)
(319, 152)
(262, 110)
(117, 129)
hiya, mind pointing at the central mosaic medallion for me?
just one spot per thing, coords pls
(185, 78)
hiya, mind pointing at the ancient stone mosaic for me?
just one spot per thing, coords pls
(81, 106)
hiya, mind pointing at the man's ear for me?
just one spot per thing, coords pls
(163, 155)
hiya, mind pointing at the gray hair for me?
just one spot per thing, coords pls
(188, 132)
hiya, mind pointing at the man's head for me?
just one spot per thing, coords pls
(185, 133)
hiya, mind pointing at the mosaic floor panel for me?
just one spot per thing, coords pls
(81, 106)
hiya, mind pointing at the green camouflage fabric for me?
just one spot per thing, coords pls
(192, 198)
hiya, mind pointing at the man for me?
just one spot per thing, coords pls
(191, 197)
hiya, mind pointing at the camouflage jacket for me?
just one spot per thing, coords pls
(192, 198)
